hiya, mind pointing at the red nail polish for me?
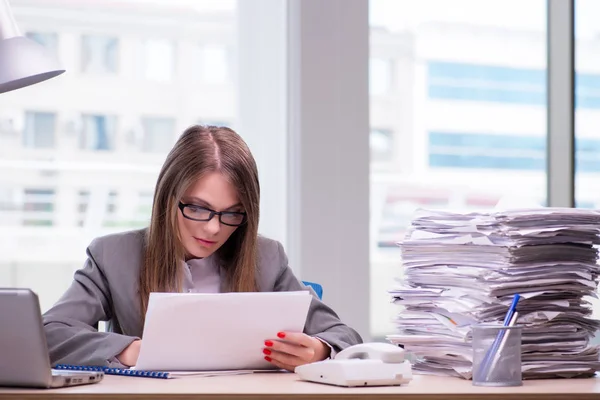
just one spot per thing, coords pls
(268, 358)
(267, 351)
(281, 335)
(268, 343)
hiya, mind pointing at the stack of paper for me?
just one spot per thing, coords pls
(465, 268)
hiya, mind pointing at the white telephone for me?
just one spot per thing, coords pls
(367, 364)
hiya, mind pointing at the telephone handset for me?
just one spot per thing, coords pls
(366, 364)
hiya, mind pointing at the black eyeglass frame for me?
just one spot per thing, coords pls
(182, 207)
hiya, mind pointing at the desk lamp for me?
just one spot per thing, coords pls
(23, 62)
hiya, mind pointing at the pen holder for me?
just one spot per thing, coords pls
(496, 355)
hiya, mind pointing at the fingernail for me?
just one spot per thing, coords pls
(268, 343)
(281, 335)
(268, 358)
(267, 351)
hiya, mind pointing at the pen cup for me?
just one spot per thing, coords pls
(496, 355)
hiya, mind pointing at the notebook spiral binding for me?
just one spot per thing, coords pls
(114, 371)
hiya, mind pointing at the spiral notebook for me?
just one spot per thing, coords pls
(149, 374)
(115, 371)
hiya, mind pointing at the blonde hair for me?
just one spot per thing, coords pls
(199, 150)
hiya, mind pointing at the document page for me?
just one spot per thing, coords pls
(217, 332)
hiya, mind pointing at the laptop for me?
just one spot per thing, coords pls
(24, 359)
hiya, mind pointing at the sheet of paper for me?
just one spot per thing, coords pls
(186, 374)
(217, 332)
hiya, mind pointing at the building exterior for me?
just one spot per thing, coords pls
(458, 120)
(79, 155)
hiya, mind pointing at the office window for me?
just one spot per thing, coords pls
(381, 143)
(472, 82)
(158, 134)
(38, 207)
(145, 200)
(7, 199)
(99, 54)
(159, 59)
(587, 109)
(83, 200)
(86, 156)
(481, 82)
(111, 205)
(215, 122)
(98, 132)
(486, 151)
(39, 132)
(380, 76)
(47, 39)
(467, 117)
(213, 64)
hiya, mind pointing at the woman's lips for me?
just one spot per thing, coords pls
(205, 242)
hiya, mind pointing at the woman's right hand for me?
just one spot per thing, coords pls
(131, 353)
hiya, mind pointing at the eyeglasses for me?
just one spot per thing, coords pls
(197, 213)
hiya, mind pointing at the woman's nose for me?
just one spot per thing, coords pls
(214, 225)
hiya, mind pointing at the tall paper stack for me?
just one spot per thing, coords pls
(465, 268)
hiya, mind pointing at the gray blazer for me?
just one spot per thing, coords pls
(106, 289)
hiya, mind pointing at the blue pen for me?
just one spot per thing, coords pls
(490, 354)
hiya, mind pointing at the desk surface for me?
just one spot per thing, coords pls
(289, 386)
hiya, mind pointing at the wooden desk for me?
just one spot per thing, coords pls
(288, 386)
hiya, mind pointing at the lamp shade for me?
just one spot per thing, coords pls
(23, 62)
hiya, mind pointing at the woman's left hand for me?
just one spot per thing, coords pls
(292, 349)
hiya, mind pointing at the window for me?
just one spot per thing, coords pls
(10, 205)
(39, 130)
(99, 54)
(98, 132)
(481, 82)
(467, 118)
(145, 203)
(587, 111)
(380, 76)
(381, 143)
(7, 199)
(83, 200)
(159, 60)
(215, 122)
(213, 64)
(111, 204)
(117, 137)
(38, 207)
(158, 134)
(47, 39)
(486, 151)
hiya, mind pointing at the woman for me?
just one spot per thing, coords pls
(203, 237)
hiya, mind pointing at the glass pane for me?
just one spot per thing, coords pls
(159, 134)
(99, 54)
(587, 103)
(458, 117)
(79, 156)
(212, 64)
(47, 39)
(587, 110)
(158, 60)
(39, 130)
(98, 132)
